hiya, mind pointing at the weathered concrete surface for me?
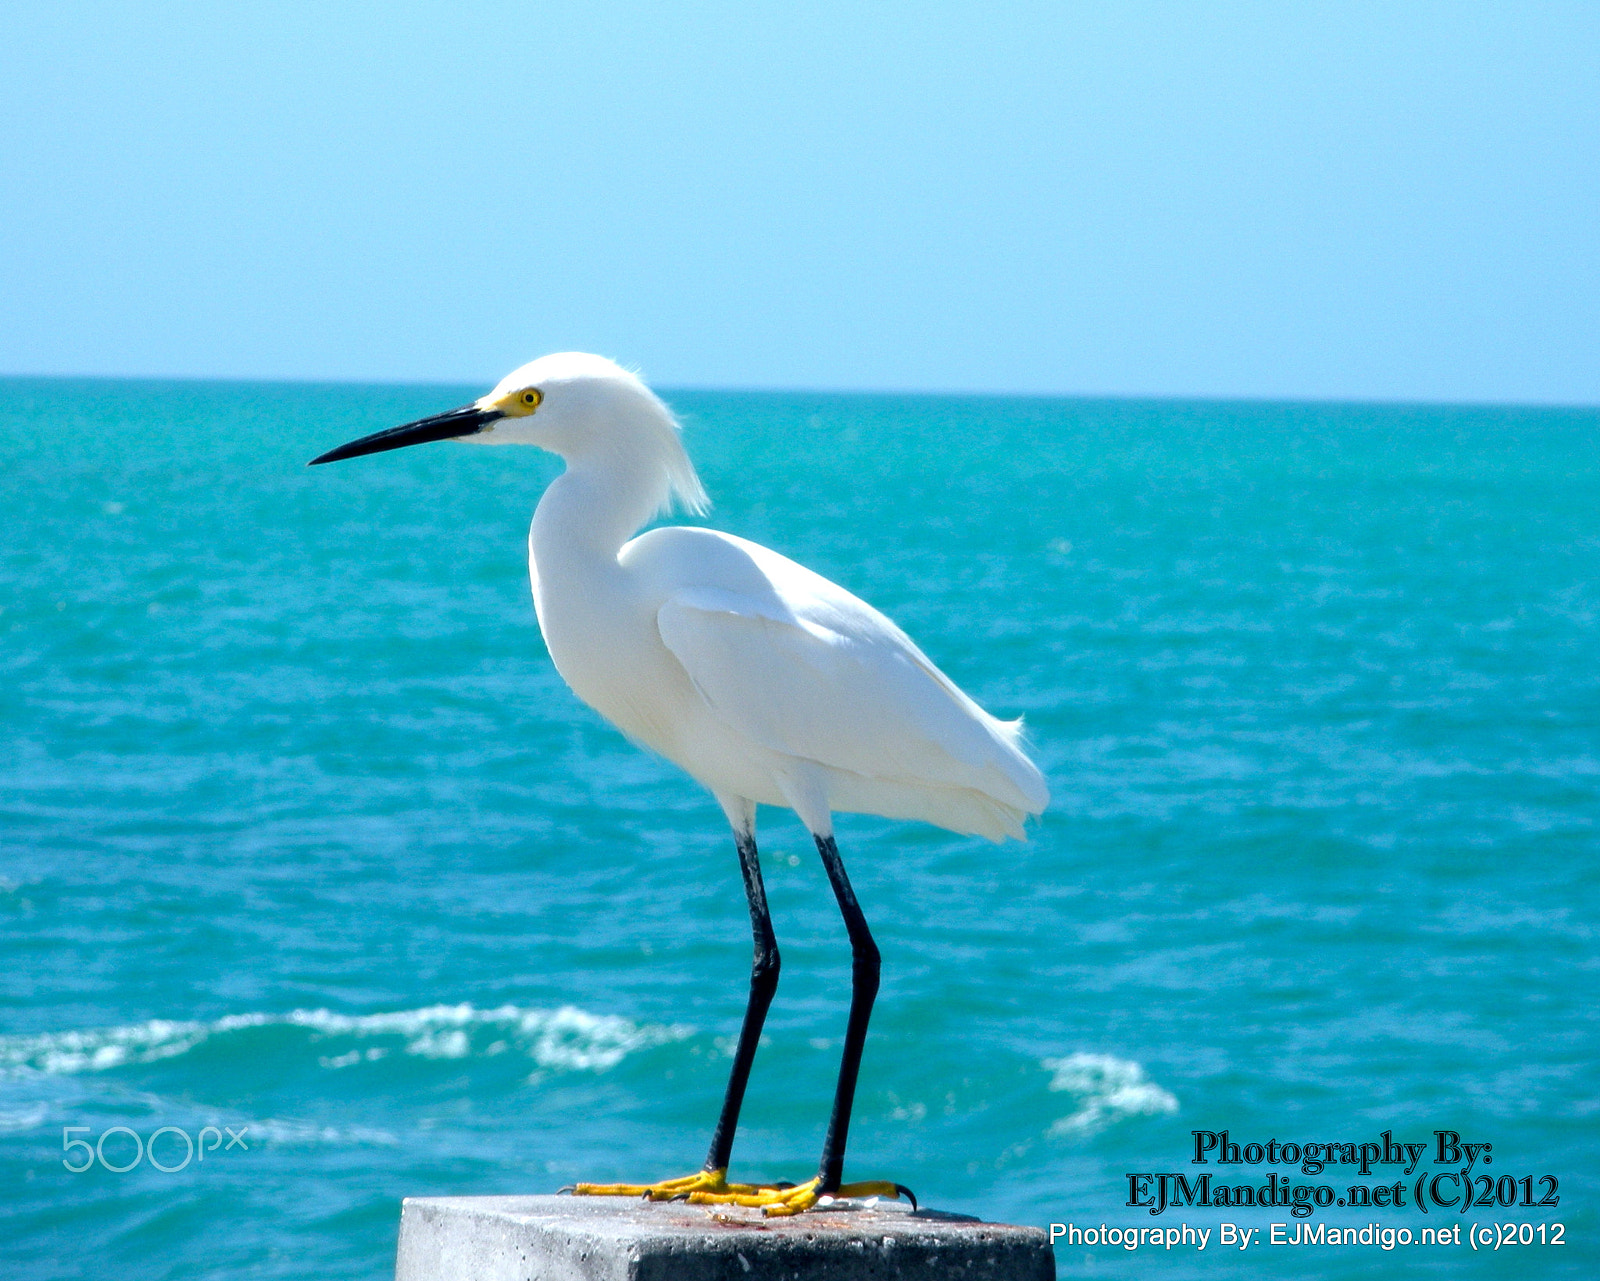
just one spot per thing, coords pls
(558, 1238)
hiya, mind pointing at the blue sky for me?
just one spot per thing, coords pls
(1395, 201)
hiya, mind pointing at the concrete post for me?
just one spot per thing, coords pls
(549, 1238)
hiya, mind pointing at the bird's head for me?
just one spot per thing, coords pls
(572, 404)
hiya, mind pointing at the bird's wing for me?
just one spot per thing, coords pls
(799, 665)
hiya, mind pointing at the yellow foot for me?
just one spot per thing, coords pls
(711, 1187)
(701, 1183)
(772, 1200)
(785, 1201)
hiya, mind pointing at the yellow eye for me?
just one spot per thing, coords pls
(519, 404)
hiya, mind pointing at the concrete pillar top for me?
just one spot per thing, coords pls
(559, 1238)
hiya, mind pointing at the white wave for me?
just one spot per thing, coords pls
(302, 1132)
(1108, 1089)
(567, 1038)
(63, 1053)
(24, 1118)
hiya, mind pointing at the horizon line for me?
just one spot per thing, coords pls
(668, 388)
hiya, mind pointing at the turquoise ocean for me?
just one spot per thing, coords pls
(308, 857)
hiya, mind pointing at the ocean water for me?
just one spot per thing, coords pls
(303, 840)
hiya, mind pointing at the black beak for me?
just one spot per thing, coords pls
(451, 425)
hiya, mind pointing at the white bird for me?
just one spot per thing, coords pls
(763, 681)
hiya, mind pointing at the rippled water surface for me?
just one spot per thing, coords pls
(302, 838)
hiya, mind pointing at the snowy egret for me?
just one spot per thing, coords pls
(763, 681)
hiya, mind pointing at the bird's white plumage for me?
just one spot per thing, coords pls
(798, 665)
(763, 680)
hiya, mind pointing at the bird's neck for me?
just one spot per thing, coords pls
(589, 512)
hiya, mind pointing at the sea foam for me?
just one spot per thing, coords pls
(566, 1038)
(1108, 1089)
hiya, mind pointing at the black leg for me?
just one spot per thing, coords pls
(763, 983)
(863, 988)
